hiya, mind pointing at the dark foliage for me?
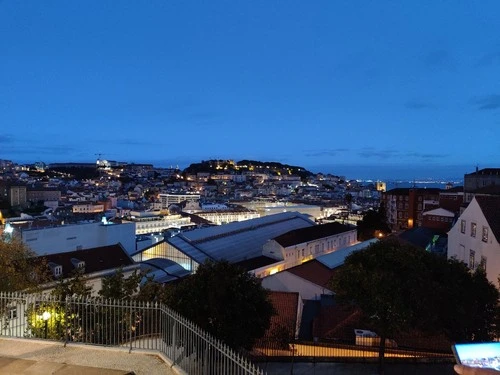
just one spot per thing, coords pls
(225, 301)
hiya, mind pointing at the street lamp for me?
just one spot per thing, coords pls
(46, 317)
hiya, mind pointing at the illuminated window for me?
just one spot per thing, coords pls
(473, 229)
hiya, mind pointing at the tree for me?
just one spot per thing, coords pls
(117, 286)
(400, 287)
(374, 222)
(226, 301)
(19, 271)
(75, 286)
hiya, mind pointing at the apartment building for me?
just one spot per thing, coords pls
(405, 206)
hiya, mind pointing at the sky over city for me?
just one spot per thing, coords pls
(368, 89)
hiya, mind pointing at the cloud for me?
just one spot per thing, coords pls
(372, 153)
(133, 142)
(329, 152)
(418, 105)
(37, 150)
(487, 102)
(425, 156)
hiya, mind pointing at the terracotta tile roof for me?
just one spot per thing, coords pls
(313, 271)
(285, 321)
(490, 205)
(311, 233)
(337, 321)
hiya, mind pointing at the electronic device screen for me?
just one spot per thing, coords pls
(485, 354)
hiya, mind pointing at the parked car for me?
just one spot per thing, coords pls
(369, 338)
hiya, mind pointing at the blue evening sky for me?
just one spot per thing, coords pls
(373, 89)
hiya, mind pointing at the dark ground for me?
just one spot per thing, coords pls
(278, 368)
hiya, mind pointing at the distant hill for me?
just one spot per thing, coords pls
(229, 166)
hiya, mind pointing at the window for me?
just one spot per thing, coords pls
(473, 229)
(472, 256)
(12, 313)
(57, 271)
(462, 226)
(483, 263)
(485, 234)
(419, 206)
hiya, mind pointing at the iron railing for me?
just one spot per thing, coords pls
(125, 323)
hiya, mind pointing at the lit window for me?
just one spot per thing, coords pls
(485, 234)
(473, 229)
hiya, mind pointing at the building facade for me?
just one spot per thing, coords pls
(64, 238)
(405, 206)
(168, 199)
(474, 239)
(480, 179)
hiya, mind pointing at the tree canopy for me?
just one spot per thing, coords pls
(224, 300)
(117, 286)
(18, 269)
(373, 222)
(401, 287)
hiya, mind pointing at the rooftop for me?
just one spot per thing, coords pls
(302, 235)
(491, 208)
(237, 241)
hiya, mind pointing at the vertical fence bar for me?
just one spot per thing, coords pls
(98, 321)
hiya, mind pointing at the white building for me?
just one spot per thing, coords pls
(168, 199)
(475, 237)
(52, 240)
(301, 245)
(147, 222)
(220, 217)
(88, 208)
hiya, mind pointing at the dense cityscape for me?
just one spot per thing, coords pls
(284, 225)
(249, 187)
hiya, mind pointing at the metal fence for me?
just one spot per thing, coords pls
(124, 323)
(410, 347)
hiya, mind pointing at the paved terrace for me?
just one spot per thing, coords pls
(36, 357)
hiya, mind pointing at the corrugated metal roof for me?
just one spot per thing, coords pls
(312, 233)
(163, 270)
(337, 258)
(237, 241)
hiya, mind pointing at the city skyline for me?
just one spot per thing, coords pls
(369, 90)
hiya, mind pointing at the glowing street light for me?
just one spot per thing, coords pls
(46, 317)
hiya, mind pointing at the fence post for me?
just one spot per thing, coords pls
(174, 341)
(132, 325)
